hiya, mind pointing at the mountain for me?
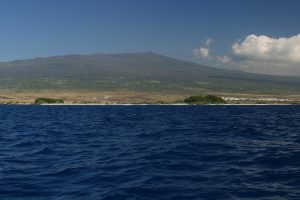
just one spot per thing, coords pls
(136, 72)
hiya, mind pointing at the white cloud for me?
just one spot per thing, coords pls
(223, 59)
(263, 54)
(208, 42)
(267, 49)
(202, 52)
(259, 54)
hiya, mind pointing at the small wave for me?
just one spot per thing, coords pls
(136, 152)
(45, 151)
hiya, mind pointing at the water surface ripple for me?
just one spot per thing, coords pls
(149, 152)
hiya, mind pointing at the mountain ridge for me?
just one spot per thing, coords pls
(145, 71)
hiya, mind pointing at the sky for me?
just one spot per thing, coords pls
(261, 36)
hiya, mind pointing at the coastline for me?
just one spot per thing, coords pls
(126, 98)
(168, 104)
(176, 104)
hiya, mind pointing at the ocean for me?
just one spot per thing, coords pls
(149, 152)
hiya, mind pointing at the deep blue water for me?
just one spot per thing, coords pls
(149, 152)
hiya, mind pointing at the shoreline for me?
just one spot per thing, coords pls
(168, 104)
(130, 104)
(126, 98)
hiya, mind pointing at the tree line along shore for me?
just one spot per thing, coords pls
(191, 100)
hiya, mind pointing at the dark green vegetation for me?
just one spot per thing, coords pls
(146, 72)
(44, 100)
(208, 99)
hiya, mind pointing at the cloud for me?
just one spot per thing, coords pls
(259, 54)
(266, 49)
(263, 54)
(208, 41)
(223, 59)
(204, 51)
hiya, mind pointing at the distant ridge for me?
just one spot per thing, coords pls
(138, 72)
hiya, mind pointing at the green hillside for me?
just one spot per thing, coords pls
(137, 72)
